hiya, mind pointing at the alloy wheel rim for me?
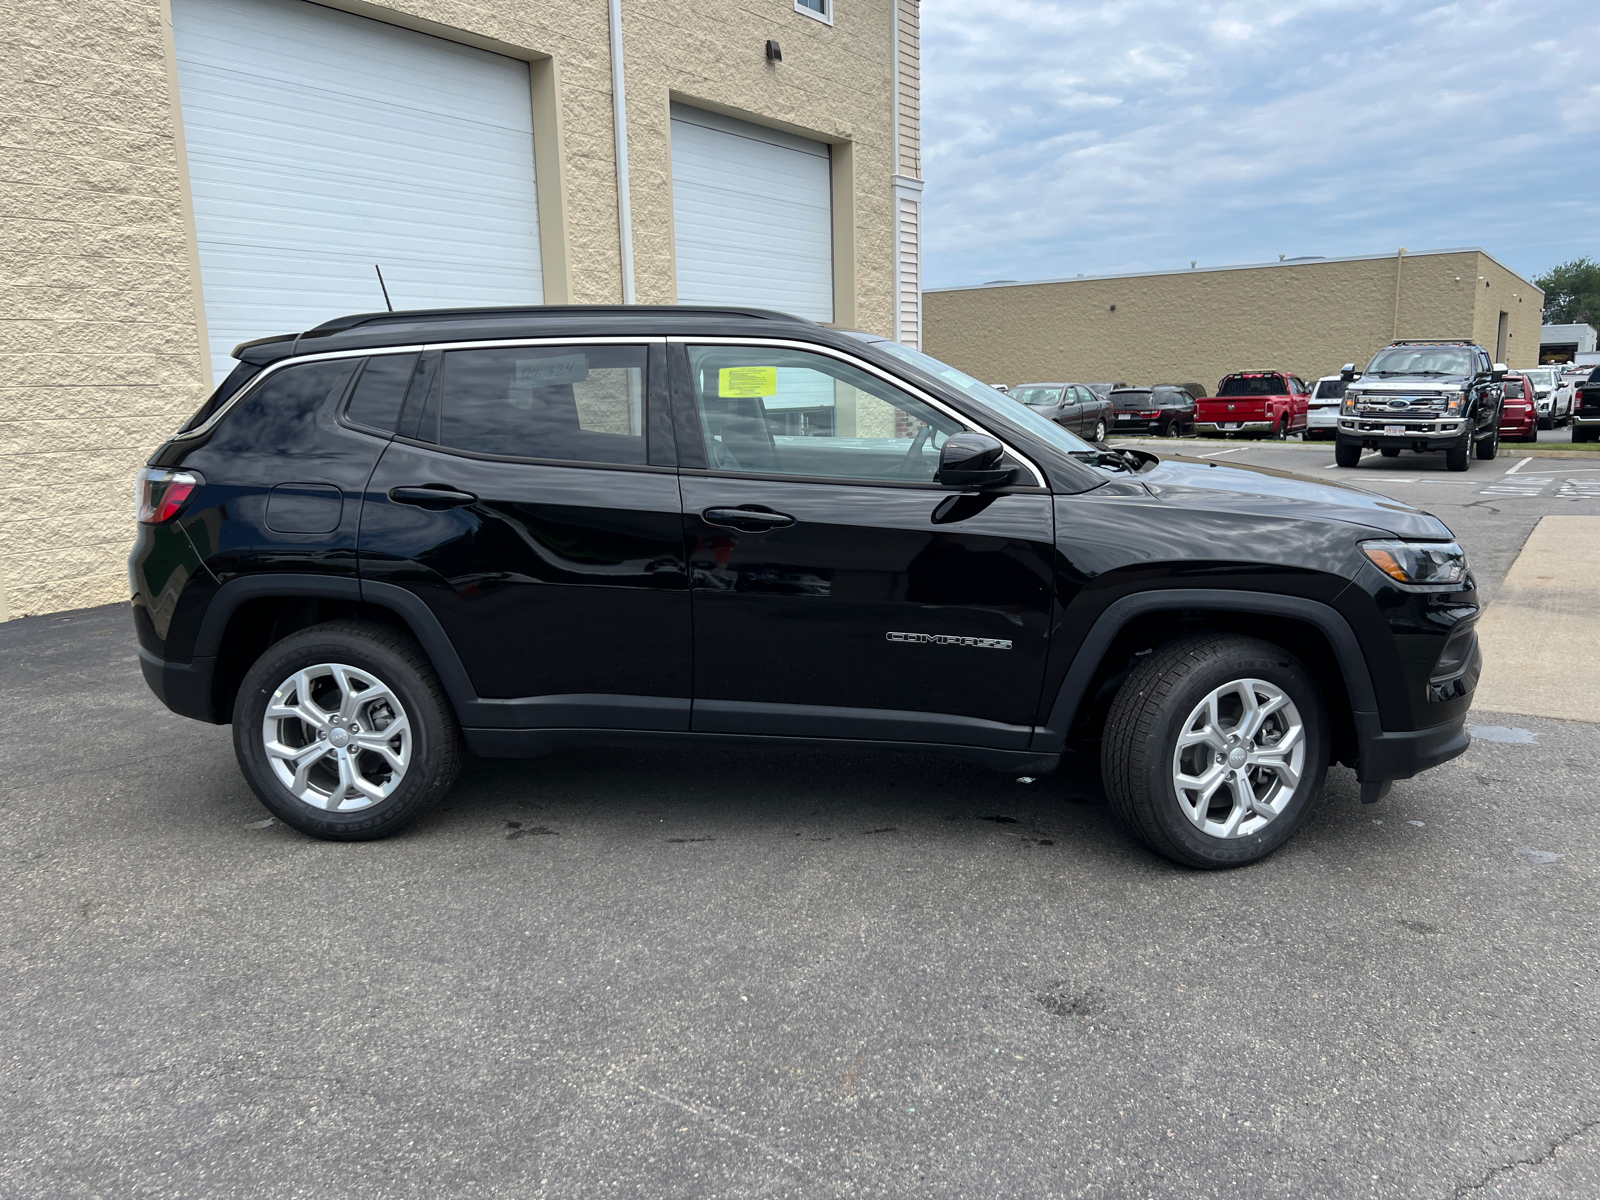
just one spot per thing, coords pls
(337, 737)
(1240, 759)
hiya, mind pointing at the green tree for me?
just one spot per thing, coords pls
(1571, 293)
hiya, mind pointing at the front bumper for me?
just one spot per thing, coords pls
(1401, 431)
(1386, 757)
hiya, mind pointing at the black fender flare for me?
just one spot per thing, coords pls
(1051, 737)
(418, 617)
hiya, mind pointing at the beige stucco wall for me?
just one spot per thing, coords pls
(100, 341)
(1197, 326)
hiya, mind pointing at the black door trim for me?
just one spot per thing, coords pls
(875, 724)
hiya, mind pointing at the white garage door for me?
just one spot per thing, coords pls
(321, 143)
(752, 210)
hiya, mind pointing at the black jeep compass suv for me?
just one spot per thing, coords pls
(396, 536)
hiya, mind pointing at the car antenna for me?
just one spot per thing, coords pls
(386, 301)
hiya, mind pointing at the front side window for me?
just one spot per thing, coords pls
(790, 412)
(568, 403)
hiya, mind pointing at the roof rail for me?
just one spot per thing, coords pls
(340, 324)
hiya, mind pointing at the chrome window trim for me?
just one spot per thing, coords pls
(872, 369)
(267, 372)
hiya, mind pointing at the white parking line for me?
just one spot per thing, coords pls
(1521, 462)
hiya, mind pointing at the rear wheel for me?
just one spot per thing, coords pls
(1347, 454)
(1389, 451)
(344, 731)
(1215, 750)
(1585, 433)
(1099, 431)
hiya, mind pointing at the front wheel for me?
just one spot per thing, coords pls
(1490, 446)
(1459, 452)
(1347, 454)
(344, 732)
(1215, 749)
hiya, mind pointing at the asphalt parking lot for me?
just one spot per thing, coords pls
(676, 974)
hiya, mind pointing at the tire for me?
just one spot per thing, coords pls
(1347, 454)
(1488, 447)
(1281, 434)
(1389, 451)
(346, 659)
(1099, 431)
(1171, 429)
(1584, 433)
(1165, 696)
(1460, 451)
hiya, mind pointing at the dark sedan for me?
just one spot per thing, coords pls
(1161, 410)
(1071, 405)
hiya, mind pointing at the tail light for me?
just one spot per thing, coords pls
(163, 492)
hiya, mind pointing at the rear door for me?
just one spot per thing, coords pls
(837, 590)
(532, 507)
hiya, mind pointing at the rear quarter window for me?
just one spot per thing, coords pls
(278, 416)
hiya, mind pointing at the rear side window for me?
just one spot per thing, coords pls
(1253, 385)
(380, 392)
(569, 403)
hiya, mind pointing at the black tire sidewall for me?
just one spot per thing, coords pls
(432, 731)
(1261, 661)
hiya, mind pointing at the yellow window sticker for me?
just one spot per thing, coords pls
(747, 381)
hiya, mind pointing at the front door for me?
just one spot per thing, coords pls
(837, 591)
(532, 512)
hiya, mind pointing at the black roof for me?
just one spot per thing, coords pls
(360, 330)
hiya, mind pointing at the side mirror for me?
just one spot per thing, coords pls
(971, 461)
(1347, 372)
(1499, 372)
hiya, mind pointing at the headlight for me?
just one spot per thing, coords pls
(1453, 401)
(1418, 562)
(1351, 399)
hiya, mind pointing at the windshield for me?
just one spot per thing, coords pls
(1330, 389)
(1012, 410)
(1253, 385)
(1542, 377)
(1422, 360)
(1039, 397)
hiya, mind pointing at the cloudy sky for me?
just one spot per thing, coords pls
(1091, 137)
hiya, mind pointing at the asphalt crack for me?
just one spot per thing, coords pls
(1550, 1148)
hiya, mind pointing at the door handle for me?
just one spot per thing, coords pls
(435, 498)
(751, 520)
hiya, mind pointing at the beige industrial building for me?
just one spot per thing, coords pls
(188, 174)
(1308, 316)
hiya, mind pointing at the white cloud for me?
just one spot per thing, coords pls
(1141, 134)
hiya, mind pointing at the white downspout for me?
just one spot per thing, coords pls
(619, 123)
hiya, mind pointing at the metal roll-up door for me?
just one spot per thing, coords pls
(752, 211)
(320, 143)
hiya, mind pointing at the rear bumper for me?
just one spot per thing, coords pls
(1233, 426)
(185, 688)
(1323, 418)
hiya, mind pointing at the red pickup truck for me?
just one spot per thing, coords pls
(1263, 403)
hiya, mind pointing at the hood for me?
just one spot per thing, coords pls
(1412, 383)
(1194, 483)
